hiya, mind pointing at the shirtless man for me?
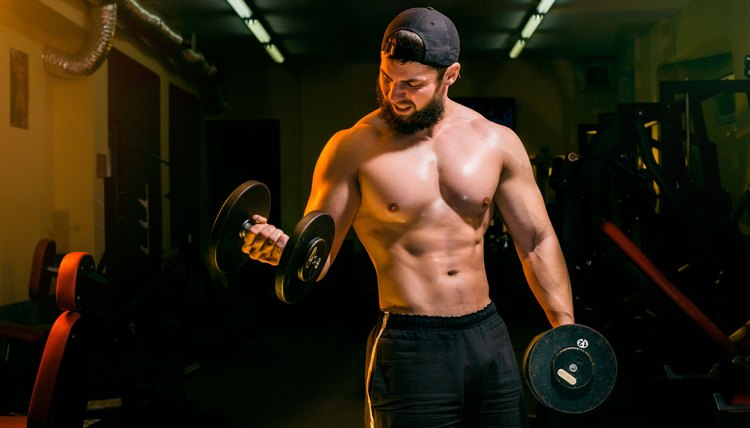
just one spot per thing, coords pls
(417, 179)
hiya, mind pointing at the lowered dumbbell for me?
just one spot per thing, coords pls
(571, 368)
(304, 255)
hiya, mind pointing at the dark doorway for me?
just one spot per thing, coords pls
(133, 191)
(184, 168)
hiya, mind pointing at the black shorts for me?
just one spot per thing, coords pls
(439, 372)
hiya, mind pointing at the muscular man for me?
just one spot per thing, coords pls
(417, 180)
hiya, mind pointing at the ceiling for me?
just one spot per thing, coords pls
(343, 31)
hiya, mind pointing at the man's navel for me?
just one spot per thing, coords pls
(393, 207)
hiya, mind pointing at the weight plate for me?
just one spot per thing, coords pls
(226, 240)
(304, 256)
(571, 368)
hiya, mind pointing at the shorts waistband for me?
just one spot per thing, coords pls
(429, 322)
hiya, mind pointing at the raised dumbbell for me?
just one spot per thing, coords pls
(304, 255)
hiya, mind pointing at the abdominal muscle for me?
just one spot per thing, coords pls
(436, 269)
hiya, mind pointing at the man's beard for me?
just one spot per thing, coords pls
(423, 119)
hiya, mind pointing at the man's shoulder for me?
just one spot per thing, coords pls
(368, 127)
(370, 122)
(355, 139)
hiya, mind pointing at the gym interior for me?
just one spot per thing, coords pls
(119, 146)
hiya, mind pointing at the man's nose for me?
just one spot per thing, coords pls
(396, 92)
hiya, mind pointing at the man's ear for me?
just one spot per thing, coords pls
(452, 73)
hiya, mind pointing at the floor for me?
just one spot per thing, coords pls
(272, 365)
(232, 355)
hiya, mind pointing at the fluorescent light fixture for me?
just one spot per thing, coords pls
(544, 6)
(257, 28)
(241, 8)
(531, 24)
(517, 48)
(274, 52)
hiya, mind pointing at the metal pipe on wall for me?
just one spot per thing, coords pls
(152, 30)
(94, 53)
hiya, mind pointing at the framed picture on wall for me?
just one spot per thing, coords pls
(19, 89)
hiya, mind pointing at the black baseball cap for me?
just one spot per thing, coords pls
(439, 35)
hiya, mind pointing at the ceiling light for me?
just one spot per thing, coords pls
(544, 6)
(531, 24)
(274, 53)
(258, 30)
(241, 8)
(517, 48)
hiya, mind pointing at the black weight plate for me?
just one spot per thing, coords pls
(304, 256)
(571, 368)
(225, 243)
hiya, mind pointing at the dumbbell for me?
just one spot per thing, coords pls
(571, 368)
(304, 255)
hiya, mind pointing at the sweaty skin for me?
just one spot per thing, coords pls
(421, 203)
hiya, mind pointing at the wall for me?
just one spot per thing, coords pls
(45, 169)
(314, 101)
(48, 178)
(724, 28)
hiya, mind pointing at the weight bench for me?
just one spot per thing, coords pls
(24, 332)
(42, 271)
(59, 396)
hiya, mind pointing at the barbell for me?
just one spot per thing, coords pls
(571, 368)
(303, 257)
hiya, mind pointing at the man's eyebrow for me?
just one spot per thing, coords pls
(410, 80)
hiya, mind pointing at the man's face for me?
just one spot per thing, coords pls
(409, 96)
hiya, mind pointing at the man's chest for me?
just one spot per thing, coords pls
(411, 182)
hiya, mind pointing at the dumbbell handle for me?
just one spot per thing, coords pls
(246, 225)
(305, 252)
(312, 261)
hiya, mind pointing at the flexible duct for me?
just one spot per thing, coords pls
(157, 34)
(153, 27)
(152, 30)
(94, 53)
